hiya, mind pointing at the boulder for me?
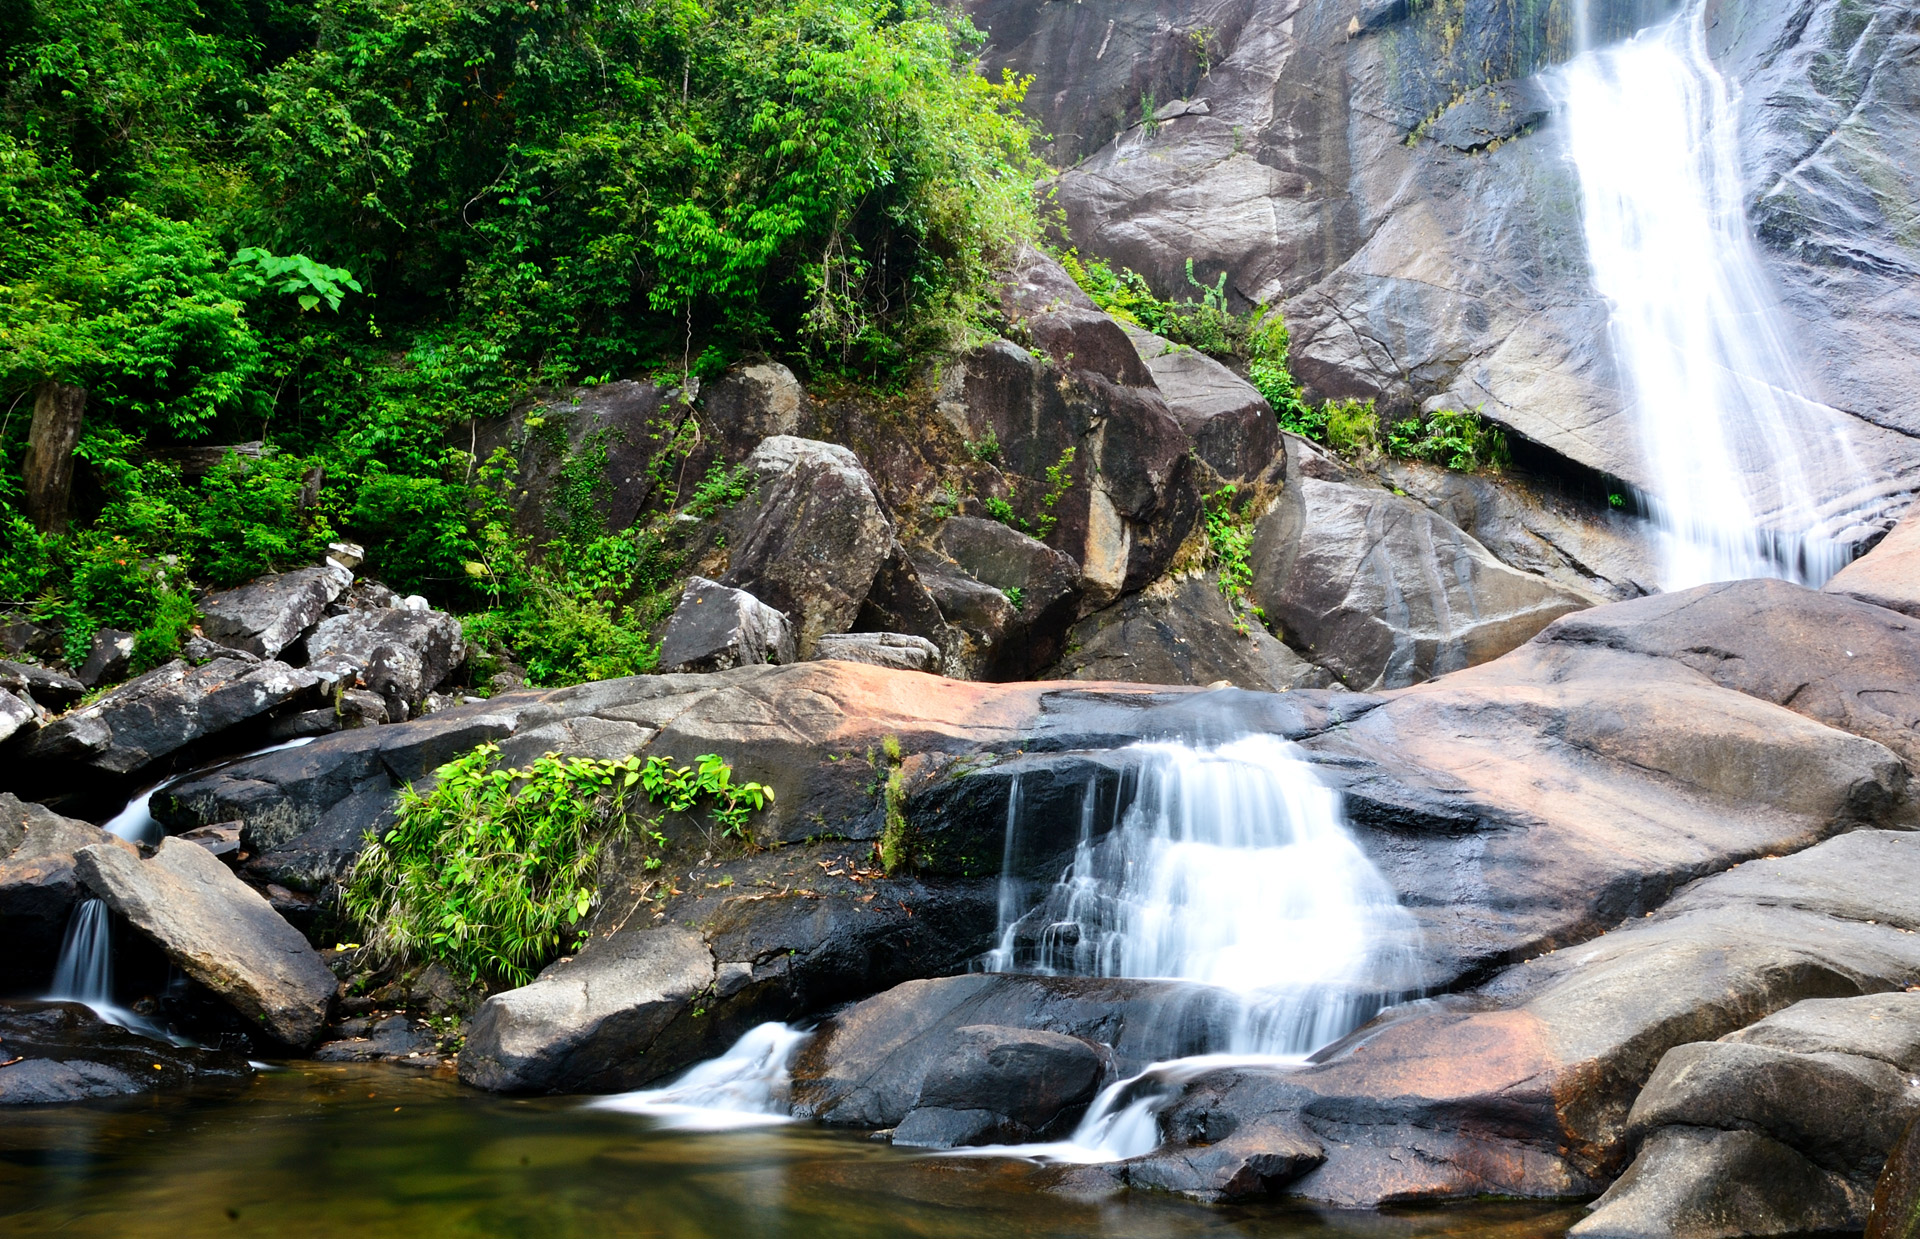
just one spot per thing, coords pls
(816, 540)
(52, 689)
(1383, 592)
(1798, 1111)
(151, 717)
(1014, 641)
(38, 888)
(901, 602)
(995, 1084)
(63, 1053)
(1228, 421)
(17, 715)
(751, 403)
(196, 649)
(394, 1039)
(1895, 1211)
(1181, 631)
(981, 617)
(1889, 574)
(219, 931)
(109, 658)
(401, 654)
(881, 649)
(268, 614)
(715, 628)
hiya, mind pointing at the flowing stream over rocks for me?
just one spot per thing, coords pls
(1731, 428)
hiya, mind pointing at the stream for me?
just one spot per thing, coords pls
(317, 1151)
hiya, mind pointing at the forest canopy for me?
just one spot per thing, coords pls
(344, 228)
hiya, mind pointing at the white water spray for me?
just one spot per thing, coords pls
(745, 1087)
(1733, 440)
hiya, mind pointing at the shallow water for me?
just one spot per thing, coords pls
(337, 1151)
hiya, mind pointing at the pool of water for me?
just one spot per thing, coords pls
(326, 1151)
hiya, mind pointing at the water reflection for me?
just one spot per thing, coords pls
(337, 1151)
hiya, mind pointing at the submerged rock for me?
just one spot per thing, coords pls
(61, 1052)
(219, 931)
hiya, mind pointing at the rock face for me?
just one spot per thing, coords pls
(817, 538)
(267, 615)
(65, 1053)
(1183, 632)
(219, 931)
(37, 888)
(1888, 575)
(1389, 175)
(1230, 423)
(716, 628)
(1780, 1127)
(1383, 592)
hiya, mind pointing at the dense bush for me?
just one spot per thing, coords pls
(355, 228)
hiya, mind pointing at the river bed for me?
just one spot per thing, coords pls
(318, 1151)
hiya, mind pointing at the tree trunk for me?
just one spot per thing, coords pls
(57, 408)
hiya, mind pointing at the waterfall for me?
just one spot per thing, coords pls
(745, 1087)
(85, 971)
(1230, 866)
(1735, 445)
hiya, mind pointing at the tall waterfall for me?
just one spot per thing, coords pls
(1734, 444)
(1229, 866)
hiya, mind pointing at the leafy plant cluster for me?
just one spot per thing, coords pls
(359, 230)
(1457, 439)
(491, 872)
(1229, 529)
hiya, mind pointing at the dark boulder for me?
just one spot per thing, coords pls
(109, 658)
(38, 888)
(268, 614)
(715, 628)
(994, 1084)
(53, 689)
(1231, 425)
(816, 540)
(61, 1052)
(1004, 641)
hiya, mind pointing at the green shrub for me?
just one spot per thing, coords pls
(1230, 539)
(492, 872)
(255, 516)
(1462, 440)
(1352, 427)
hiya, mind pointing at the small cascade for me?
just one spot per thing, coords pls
(1230, 866)
(745, 1087)
(85, 971)
(136, 822)
(1736, 446)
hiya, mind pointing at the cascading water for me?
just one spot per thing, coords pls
(745, 1087)
(1230, 866)
(1736, 448)
(85, 971)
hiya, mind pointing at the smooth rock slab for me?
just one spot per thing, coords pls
(219, 931)
(69, 1054)
(266, 615)
(1888, 575)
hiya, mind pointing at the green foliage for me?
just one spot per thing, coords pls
(1059, 482)
(1016, 596)
(999, 509)
(1352, 427)
(160, 640)
(1230, 539)
(306, 281)
(721, 488)
(255, 516)
(986, 450)
(1461, 440)
(491, 872)
(897, 843)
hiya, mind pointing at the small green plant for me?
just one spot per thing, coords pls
(1462, 440)
(895, 846)
(1616, 501)
(1230, 539)
(986, 450)
(1016, 596)
(1148, 107)
(721, 488)
(999, 509)
(491, 872)
(1059, 482)
(1352, 427)
(306, 281)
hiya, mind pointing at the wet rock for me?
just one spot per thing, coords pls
(109, 659)
(393, 1039)
(38, 888)
(1888, 575)
(1490, 114)
(400, 654)
(219, 931)
(268, 614)
(880, 649)
(994, 1083)
(874, 1063)
(1230, 423)
(582, 1017)
(1183, 632)
(817, 539)
(715, 628)
(65, 1053)
(52, 689)
(1383, 592)
(157, 714)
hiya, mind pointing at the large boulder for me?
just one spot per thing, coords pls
(1792, 1117)
(1382, 591)
(715, 628)
(153, 716)
(58, 1053)
(38, 888)
(219, 931)
(1231, 425)
(400, 653)
(53, 689)
(815, 541)
(1888, 575)
(1011, 596)
(268, 614)
(1182, 631)
(752, 403)
(897, 650)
